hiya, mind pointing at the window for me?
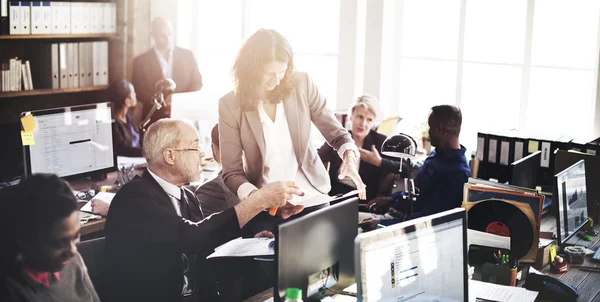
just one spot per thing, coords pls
(507, 64)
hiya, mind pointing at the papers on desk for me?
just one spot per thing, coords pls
(309, 200)
(494, 292)
(486, 239)
(104, 196)
(137, 162)
(245, 247)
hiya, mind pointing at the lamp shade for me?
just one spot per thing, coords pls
(399, 146)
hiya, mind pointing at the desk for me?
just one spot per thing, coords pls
(586, 282)
(84, 184)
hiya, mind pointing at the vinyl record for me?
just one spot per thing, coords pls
(487, 213)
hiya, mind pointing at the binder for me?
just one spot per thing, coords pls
(25, 18)
(46, 17)
(69, 58)
(65, 17)
(105, 22)
(75, 18)
(90, 63)
(24, 77)
(55, 66)
(56, 17)
(28, 71)
(84, 10)
(104, 63)
(74, 61)
(4, 24)
(94, 16)
(82, 64)
(113, 17)
(37, 26)
(14, 13)
(96, 61)
(62, 66)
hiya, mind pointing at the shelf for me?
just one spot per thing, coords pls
(57, 36)
(13, 94)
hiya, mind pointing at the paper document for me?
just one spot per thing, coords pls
(245, 247)
(495, 292)
(138, 162)
(105, 196)
(311, 200)
(486, 239)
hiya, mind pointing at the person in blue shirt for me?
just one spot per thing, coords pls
(441, 178)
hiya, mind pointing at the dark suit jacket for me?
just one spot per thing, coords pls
(145, 240)
(370, 175)
(147, 71)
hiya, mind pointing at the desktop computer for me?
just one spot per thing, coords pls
(315, 252)
(71, 141)
(571, 198)
(424, 259)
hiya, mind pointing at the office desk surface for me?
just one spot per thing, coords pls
(586, 282)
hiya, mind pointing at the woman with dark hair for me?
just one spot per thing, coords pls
(40, 232)
(265, 124)
(126, 136)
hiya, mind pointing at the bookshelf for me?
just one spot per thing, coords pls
(58, 37)
(24, 93)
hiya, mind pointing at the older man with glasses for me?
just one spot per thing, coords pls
(155, 227)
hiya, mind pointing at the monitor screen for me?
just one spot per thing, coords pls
(71, 141)
(315, 252)
(525, 170)
(419, 260)
(571, 200)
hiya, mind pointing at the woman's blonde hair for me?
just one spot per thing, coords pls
(368, 102)
(263, 47)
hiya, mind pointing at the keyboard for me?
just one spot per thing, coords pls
(597, 255)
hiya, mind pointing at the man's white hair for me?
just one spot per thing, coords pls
(164, 133)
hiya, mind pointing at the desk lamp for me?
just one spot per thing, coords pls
(403, 146)
(164, 88)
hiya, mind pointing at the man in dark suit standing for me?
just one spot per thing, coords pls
(164, 60)
(155, 227)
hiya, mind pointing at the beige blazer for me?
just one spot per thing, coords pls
(243, 145)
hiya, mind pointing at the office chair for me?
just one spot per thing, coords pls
(92, 252)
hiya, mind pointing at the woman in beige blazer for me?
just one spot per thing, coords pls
(269, 96)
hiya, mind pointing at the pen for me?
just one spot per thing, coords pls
(272, 211)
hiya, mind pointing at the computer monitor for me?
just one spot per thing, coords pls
(424, 259)
(71, 141)
(525, 170)
(11, 153)
(315, 252)
(572, 201)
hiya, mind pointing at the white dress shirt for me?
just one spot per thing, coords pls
(172, 190)
(280, 159)
(166, 66)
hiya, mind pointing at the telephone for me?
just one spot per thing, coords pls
(550, 288)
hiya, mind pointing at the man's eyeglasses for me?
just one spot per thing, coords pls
(202, 154)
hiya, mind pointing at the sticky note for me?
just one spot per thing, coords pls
(27, 138)
(28, 123)
(552, 251)
(533, 146)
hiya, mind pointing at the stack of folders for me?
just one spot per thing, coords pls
(70, 65)
(53, 17)
(497, 150)
(16, 75)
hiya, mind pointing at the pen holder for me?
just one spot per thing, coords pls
(499, 274)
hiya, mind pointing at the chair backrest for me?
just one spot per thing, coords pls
(92, 252)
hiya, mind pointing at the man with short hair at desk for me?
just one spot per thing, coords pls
(164, 60)
(214, 195)
(155, 226)
(440, 179)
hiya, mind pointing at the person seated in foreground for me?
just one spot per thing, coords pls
(372, 166)
(40, 232)
(155, 228)
(440, 180)
(214, 195)
(126, 136)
